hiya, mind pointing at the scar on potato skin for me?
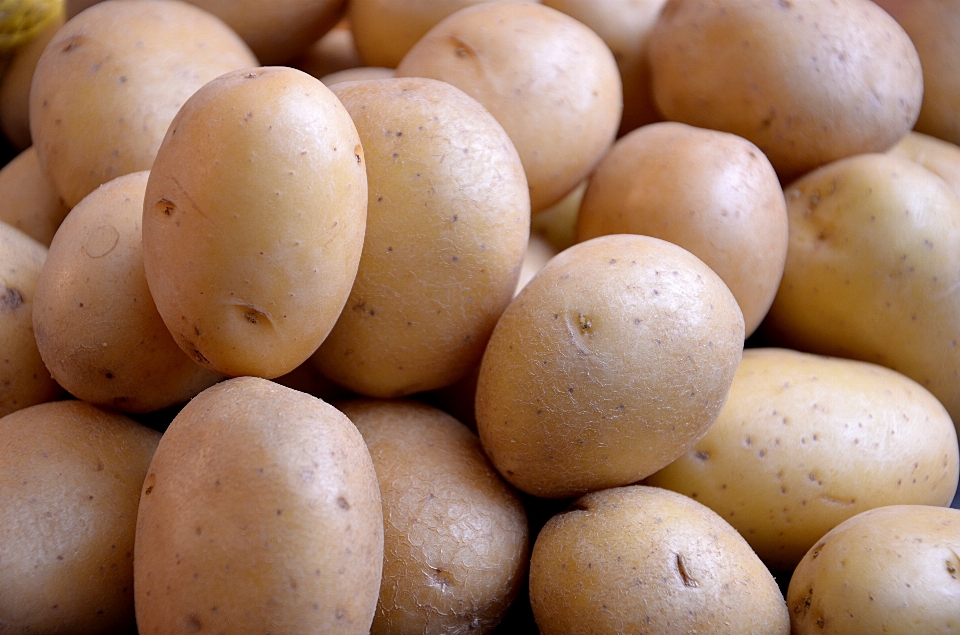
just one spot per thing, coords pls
(11, 299)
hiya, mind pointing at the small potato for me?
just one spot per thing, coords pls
(360, 73)
(805, 442)
(612, 362)
(28, 200)
(646, 560)
(888, 570)
(940, 157)
(334, 52)
(69, 490)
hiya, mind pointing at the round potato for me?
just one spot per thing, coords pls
(549, 80)
(334, 52)
(253, 220)
(940, 157)
(260, 513)
(805, 442)
(646, 560)
(360, 73)
(69, 490)
(891, 570)
(28, 200)
(611, 363)
(808, 81)
(455, 535)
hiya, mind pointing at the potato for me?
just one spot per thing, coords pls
(890, 570)
(333, 52)
(69, 490)
(645, 560)
(360, 73)
(455, 535)
(260, 513)
(110, 81)
(28, 200)
(940, 157)
(808, 81)
(24, 380)
(805, 442)
(97, 328)
(610, 364)
(872, 265)
(712, 193)
(558, 223)
(549, 80)
(253, 220)
(448, 219)
(539, 252)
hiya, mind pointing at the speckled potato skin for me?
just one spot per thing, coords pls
(809, 82)
(28, 200)
(111, 80)
(455, 535)
(713, 193)
(872, 265)
(97, 328)
(549, 80)
(646, 560)
(69, 490)
(940, 157)
(24, 379)
(887, 570)
(260, 513)
(805, 442)
(448, 217)
(253, 220)
(607, 366)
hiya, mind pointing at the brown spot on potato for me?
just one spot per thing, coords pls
(688, 580)
(11, 299)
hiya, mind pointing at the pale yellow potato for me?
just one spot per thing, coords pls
(97, 328)
(69, 490)
(260, 513)
(111, 80)
(713, 193)
(28, 200)
(611, 363)
(539, 252)
(360, 73)
(888, 570)
(333, 52)
(646, 560)
(24, 379)
(456, 540)
(558, 223)
(253, 220)
(805, 442)
(940, 157)
(808, 81)
(549, 80)
(448, 220)
(873, 262)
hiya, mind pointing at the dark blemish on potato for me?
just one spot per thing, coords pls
(358, 152)
(192, 623)
(72, 45)
(11, 299)
(342, 503)
(688, 580)
(165, 207)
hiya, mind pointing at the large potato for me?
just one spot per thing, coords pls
(260, 513)
(608, 365)
(805, 442)
(253, 220)
(28, 200)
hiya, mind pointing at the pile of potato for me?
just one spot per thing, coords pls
(353, 316)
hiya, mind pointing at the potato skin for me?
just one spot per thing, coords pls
(940, 157)
(455, 535)
(646, 560)
(805, 442)
(607, 366)
(891, 570)
(260, 513)
(69, 490)
(28, 200)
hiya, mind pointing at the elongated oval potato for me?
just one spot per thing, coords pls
(805, 442)
(28, 200)
(607, 366)
(260, 513)
(887, 570)
(253, 220)
(646, 560)
(69, 490)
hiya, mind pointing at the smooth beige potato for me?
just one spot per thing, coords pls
(360, 73)
(805, 442)
(97, 327)
(890, 570)
(69, 490)
(24, 379)
(940, 157)
(872, 265)
(610, 364)
(110, 81)
(539, 252)
(808, 81)
(260, 513)
(334, 52)
(28, 200)
(253, 220)
(448, 220)
(455, 535)
(713, 193)
(558, 223)
(646, 560)
(549, 80)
